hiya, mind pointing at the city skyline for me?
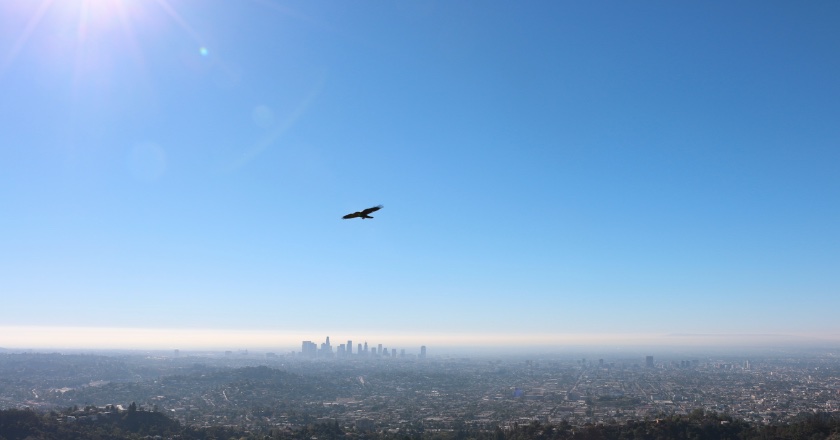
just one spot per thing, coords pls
(78, 338)
(173, 174)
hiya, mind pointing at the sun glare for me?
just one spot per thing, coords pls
(94, 32)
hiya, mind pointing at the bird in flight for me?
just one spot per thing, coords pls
(363, 214)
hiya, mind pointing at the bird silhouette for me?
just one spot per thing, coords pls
(363, 214)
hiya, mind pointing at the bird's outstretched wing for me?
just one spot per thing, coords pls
(353, 215)
(374, 209)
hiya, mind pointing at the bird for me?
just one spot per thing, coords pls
(363, 214)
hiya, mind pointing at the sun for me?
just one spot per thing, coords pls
(91, 31)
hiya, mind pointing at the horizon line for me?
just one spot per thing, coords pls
(140, 338)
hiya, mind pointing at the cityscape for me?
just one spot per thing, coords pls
(312, 350)
(389, 390)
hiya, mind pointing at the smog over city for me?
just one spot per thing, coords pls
(419, 219)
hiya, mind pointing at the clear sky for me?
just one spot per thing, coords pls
(550, 171)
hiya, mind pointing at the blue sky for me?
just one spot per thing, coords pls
(548, 169)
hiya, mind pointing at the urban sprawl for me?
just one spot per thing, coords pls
(377, 388)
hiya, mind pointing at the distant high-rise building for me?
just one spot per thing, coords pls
(423, 351)
(326, 348)
(393, 352)
(308, 349)
(649, 361)
(366, 348)
(349, 347)
(402, 353)
(379, 350)
(359, 349)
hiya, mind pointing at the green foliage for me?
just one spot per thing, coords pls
(138, 424)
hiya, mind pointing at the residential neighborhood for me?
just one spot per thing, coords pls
(381, 392)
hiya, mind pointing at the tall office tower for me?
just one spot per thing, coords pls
(649, 361)
(308, 349)
(359, 349)
(349, 347)
(379, 350)
(326, 348)
(393, 352)
(366, 348)
(423, 351)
